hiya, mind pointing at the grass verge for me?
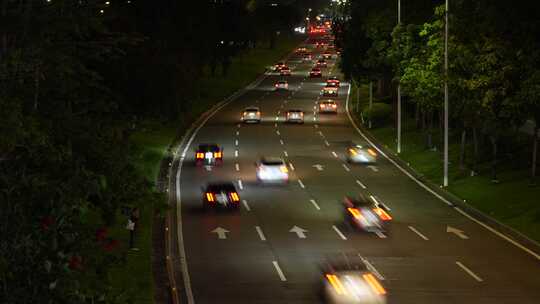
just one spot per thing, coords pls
(511, 201)
(149, 147)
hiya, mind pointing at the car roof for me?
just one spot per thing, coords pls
(220, 186)
(208, 147)
(272, 161)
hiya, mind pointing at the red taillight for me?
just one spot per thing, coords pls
(200, 155)
(382, 214)
(235, 197)
(209, 196)
(355, 213)
(334, 106)
(217, 154)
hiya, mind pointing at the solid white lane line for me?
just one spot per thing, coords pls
(418, 233)
(380, 234)
(341, 235)
(291, 166)
(240, 185)
(315, 204)
(279, 272)
(360, 184)
(260, 233)
(237, 166)
(326, 143)
(286, 154)
(372, 268)
(235, 153)
(277, 132)
(236, 142)
(335, 154)
(246, 205)
(281, 142)
(301, 184)
(346, 168)
(467, 270)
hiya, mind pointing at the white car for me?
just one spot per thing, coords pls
(361, 154)
(251, 114)
(272, 170)
(282, 85)
(294, 116)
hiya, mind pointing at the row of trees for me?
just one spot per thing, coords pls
(72, 74)
(494, 63)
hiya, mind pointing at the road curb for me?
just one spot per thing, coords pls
(455, 202)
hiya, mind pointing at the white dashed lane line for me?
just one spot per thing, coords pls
(470, 272)
(346, 168)
(281, 142)
(418, 233)
(235, 153)
(360, 184)
(315, 204)
(279, 272)
(237, 167)
(335, 154)
(291, 166)
(277, 132)
(339, 233)
(236, 142)
(240, 185)
(301, 184)
(285, 153)
(326, 143)
(260, 233)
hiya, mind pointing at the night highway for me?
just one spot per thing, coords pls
(272, 249)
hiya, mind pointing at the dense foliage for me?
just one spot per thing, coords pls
(493, 72)
(72, 75)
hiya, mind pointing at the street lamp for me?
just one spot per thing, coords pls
(399, 95)
(445, 178)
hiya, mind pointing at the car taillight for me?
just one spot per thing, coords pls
(336, 284)
(200, 155)
(353, 151)
(355, 213)
(374, 284)
(382, 214)
(209, 196)
(245, 113)
(217, 154)
(235, 197)
(334, 106)
(258, 113)
(370, 151)
(284, 169)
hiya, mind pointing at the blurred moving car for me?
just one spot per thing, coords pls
(272, 170)
(315, 72)
(365, 213)
(327, 106)
(278, 66)
(333, 80)
(221, 195)
(361, 154)
(351, 282)
(251, 114)
(285, 71)
(330, 90)
(282, 85)
(321, 63)
(301, 49)
(327, 55)
(294, 116)
(307, 57)
(209, 155)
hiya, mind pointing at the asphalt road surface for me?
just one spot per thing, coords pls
(431, 254)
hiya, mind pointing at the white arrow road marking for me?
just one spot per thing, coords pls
(380, 234)
(246, 205)
(286, 154)
(418, 233)
(373, 168)
(236, 142)
(300, 232)
(301, 184)
(279, 272)
(291, 166)
(457, 232)
(467, 270)
(315, 204)
(281, 142)
(326, 143)
(237, 166)
(346, 168)
(341, 235)
(335, 154)
(235, 153)
(221, 233)
(240, 185)
(260, 233)
(371, 268)
(318, 167)
(360, 184)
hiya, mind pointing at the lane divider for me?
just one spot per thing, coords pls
(245, 203)
(339, 233)
(260, 233)
(279, 272)
(468, 271)
(418, 233)
(315, 204)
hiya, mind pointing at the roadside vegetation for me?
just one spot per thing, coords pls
(494, 91)
(91, 96)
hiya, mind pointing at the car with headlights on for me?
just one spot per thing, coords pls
(301, 50)
(251, 114)
(307, 57)
(272, 170)
(294, 116)
(208, 155)
(281, 85)
(321, 63)
(351, 282)
(327, 55)
(328, 106)
(330, 90)
(285, 71)
(278, 66)
(221, 195)
(361, 154)
(365, 213)
(315, 73)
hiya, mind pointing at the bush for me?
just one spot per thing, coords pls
(379, 114)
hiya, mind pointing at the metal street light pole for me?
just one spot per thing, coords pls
(445, 180)
(399, 95)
